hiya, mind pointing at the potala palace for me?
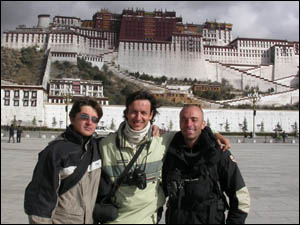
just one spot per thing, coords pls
(155, 43)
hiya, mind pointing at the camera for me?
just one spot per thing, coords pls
(174, 183)
(138, 178)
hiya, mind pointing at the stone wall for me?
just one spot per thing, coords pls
(217, 117)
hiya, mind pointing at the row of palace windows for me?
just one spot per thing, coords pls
(67, 86)
(260, 44)
(17, 94)
(17, 102)
(40, 37)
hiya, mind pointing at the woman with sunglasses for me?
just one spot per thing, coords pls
(66, 177)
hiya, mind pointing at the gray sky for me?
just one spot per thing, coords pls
(250, 19)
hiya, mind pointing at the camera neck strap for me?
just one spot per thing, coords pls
(121, 178)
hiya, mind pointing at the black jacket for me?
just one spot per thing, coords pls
(54, 162)
(230, 178)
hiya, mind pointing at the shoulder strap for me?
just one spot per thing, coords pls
(121, 178)
(78, 173)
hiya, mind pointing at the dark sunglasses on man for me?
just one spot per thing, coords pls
(86, 117)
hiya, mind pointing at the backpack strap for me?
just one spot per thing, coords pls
(74, 178)
(213, 173)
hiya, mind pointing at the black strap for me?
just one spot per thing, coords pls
(121, 178)
(74, 178)
(215, 178)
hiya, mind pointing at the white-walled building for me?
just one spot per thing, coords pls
(60, 88)
(33, 102)
(22, 102)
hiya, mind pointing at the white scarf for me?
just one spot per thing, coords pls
(134, 137)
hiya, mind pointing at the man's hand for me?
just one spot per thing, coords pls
(155, 131)
(223, 142)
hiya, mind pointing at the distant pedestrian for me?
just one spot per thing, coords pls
(284, 135)
(19, 134)
(11, 133)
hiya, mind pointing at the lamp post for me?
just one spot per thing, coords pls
(255, 97)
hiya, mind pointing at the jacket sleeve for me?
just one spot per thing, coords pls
(39, 220)
(234, 186)
(41, 193)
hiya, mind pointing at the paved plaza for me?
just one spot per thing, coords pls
(270, 170)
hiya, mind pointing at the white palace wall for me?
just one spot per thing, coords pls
(286, 66)
(215, 117)
(159, 62)
(170, 61)
(186, 57)
(168, 115)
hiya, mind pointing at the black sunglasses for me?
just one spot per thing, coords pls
(87, 117)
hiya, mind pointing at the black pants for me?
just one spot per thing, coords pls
(12, 138)
(182, 216)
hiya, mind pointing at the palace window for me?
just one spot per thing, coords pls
(25, 103)
(33, 103)
(16, 94)
(16, 102)
(6, 102)
(7, 93)
(26, 94)
(33, 94)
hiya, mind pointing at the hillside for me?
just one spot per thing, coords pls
(25, 66)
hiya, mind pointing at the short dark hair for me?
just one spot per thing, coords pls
(142, 95)
(85, 101)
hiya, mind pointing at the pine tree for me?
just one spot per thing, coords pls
(54, 122)
(34, 121)
(227, 126)
(112, 125)
(208, 123)
(296, 132)
(245, 125)
(171, 125)
(262, 126)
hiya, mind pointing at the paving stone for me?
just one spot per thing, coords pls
(270, 170)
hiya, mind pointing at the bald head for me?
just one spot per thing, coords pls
(191, 123)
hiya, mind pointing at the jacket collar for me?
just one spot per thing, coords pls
(205, 145)
(71, 135)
